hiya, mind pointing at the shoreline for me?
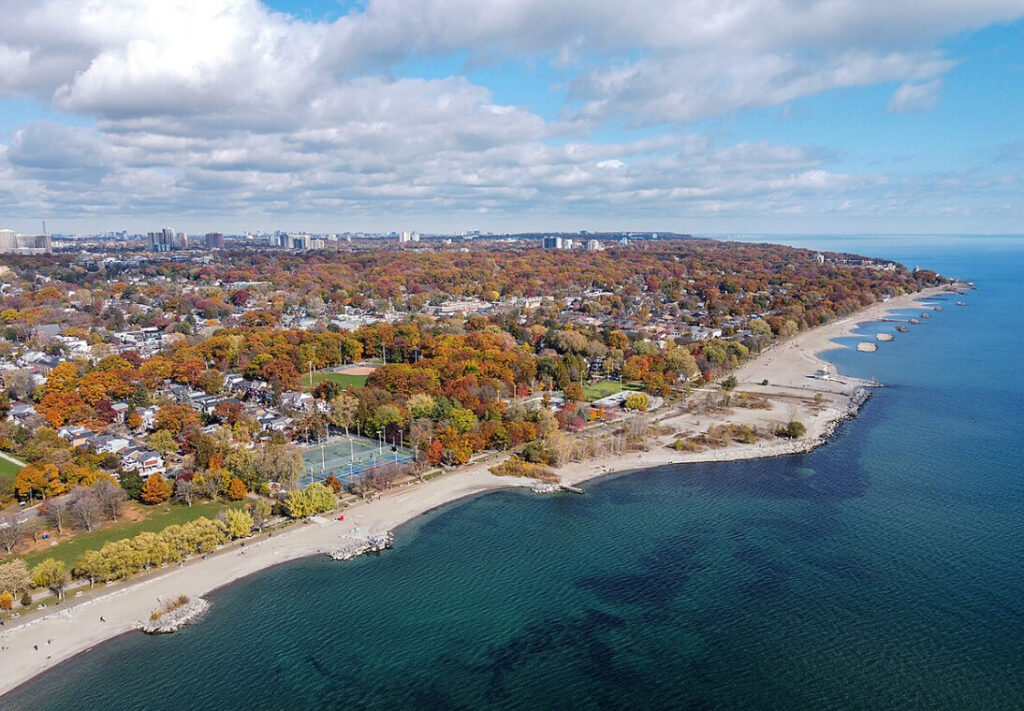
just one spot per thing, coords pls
(76, 628)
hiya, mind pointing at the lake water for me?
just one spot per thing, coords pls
(883, 571)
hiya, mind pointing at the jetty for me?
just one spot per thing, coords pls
(551, 487)
(357, 546)
(171, 620)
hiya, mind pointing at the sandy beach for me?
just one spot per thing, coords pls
(40, 641)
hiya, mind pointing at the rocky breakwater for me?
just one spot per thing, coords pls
(176, 616)
(361, 546)
(549, 487)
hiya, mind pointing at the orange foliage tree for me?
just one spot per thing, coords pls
(155, 490)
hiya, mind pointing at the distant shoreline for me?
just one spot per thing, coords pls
(76, 628)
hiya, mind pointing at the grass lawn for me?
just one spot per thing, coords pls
(157, 518)
(604, 388)
(342, 379)
(8, 470)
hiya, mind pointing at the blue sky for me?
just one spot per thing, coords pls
(786, 116)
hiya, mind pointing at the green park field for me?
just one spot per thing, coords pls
(157, 518)
(343, 379)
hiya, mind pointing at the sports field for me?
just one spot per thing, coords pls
(348, 376)
(348, 457)
(342, 379)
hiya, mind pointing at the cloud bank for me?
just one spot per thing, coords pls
(226, 108)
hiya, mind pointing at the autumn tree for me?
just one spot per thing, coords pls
(155, 490)
(238, 523)
(38, 479)
(175, 417)
(236, 489)
(333, 483)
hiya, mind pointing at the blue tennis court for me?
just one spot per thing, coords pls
(348, 457)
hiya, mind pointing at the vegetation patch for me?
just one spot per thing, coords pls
(514, 466)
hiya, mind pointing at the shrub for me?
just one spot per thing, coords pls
(794, 430)
(514, 466)
(637, 401)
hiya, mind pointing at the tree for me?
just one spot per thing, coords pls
(184, 490)
(12, 530)
(50, 574)
(794, 430)
(6, 600)
(574, 393)
(14, 576)
(111, 497)
(86, 508)
(131, 484)
(163, 442)
(260, 512)
(343, 411)
(153, 548)
(134, 420)
(38, 479)
(314, 499)
(155, 490)
(333, 483)
(57, 511)
(421, 405)
(239, 523)
(211, 381)
(174, 418)
(92, 565)
(462, 420)
(236, 489)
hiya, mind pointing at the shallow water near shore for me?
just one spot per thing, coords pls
(884, 570)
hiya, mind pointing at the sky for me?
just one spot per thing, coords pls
(691, 116)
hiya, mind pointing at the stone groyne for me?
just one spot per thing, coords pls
(176, 619)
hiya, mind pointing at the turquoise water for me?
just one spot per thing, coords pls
(883, 571)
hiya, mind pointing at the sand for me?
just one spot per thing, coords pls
(42, 640)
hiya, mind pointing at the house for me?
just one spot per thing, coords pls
(144, 461)
(21, 411)
(294, 400)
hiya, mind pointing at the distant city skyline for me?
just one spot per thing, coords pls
(398, 115)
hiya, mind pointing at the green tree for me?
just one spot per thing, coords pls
(261, 511)
(163, 442)
(132, 483)
(51, 574)
(462, 420)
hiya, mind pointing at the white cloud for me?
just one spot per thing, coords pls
(224, 107)
(912, 97)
